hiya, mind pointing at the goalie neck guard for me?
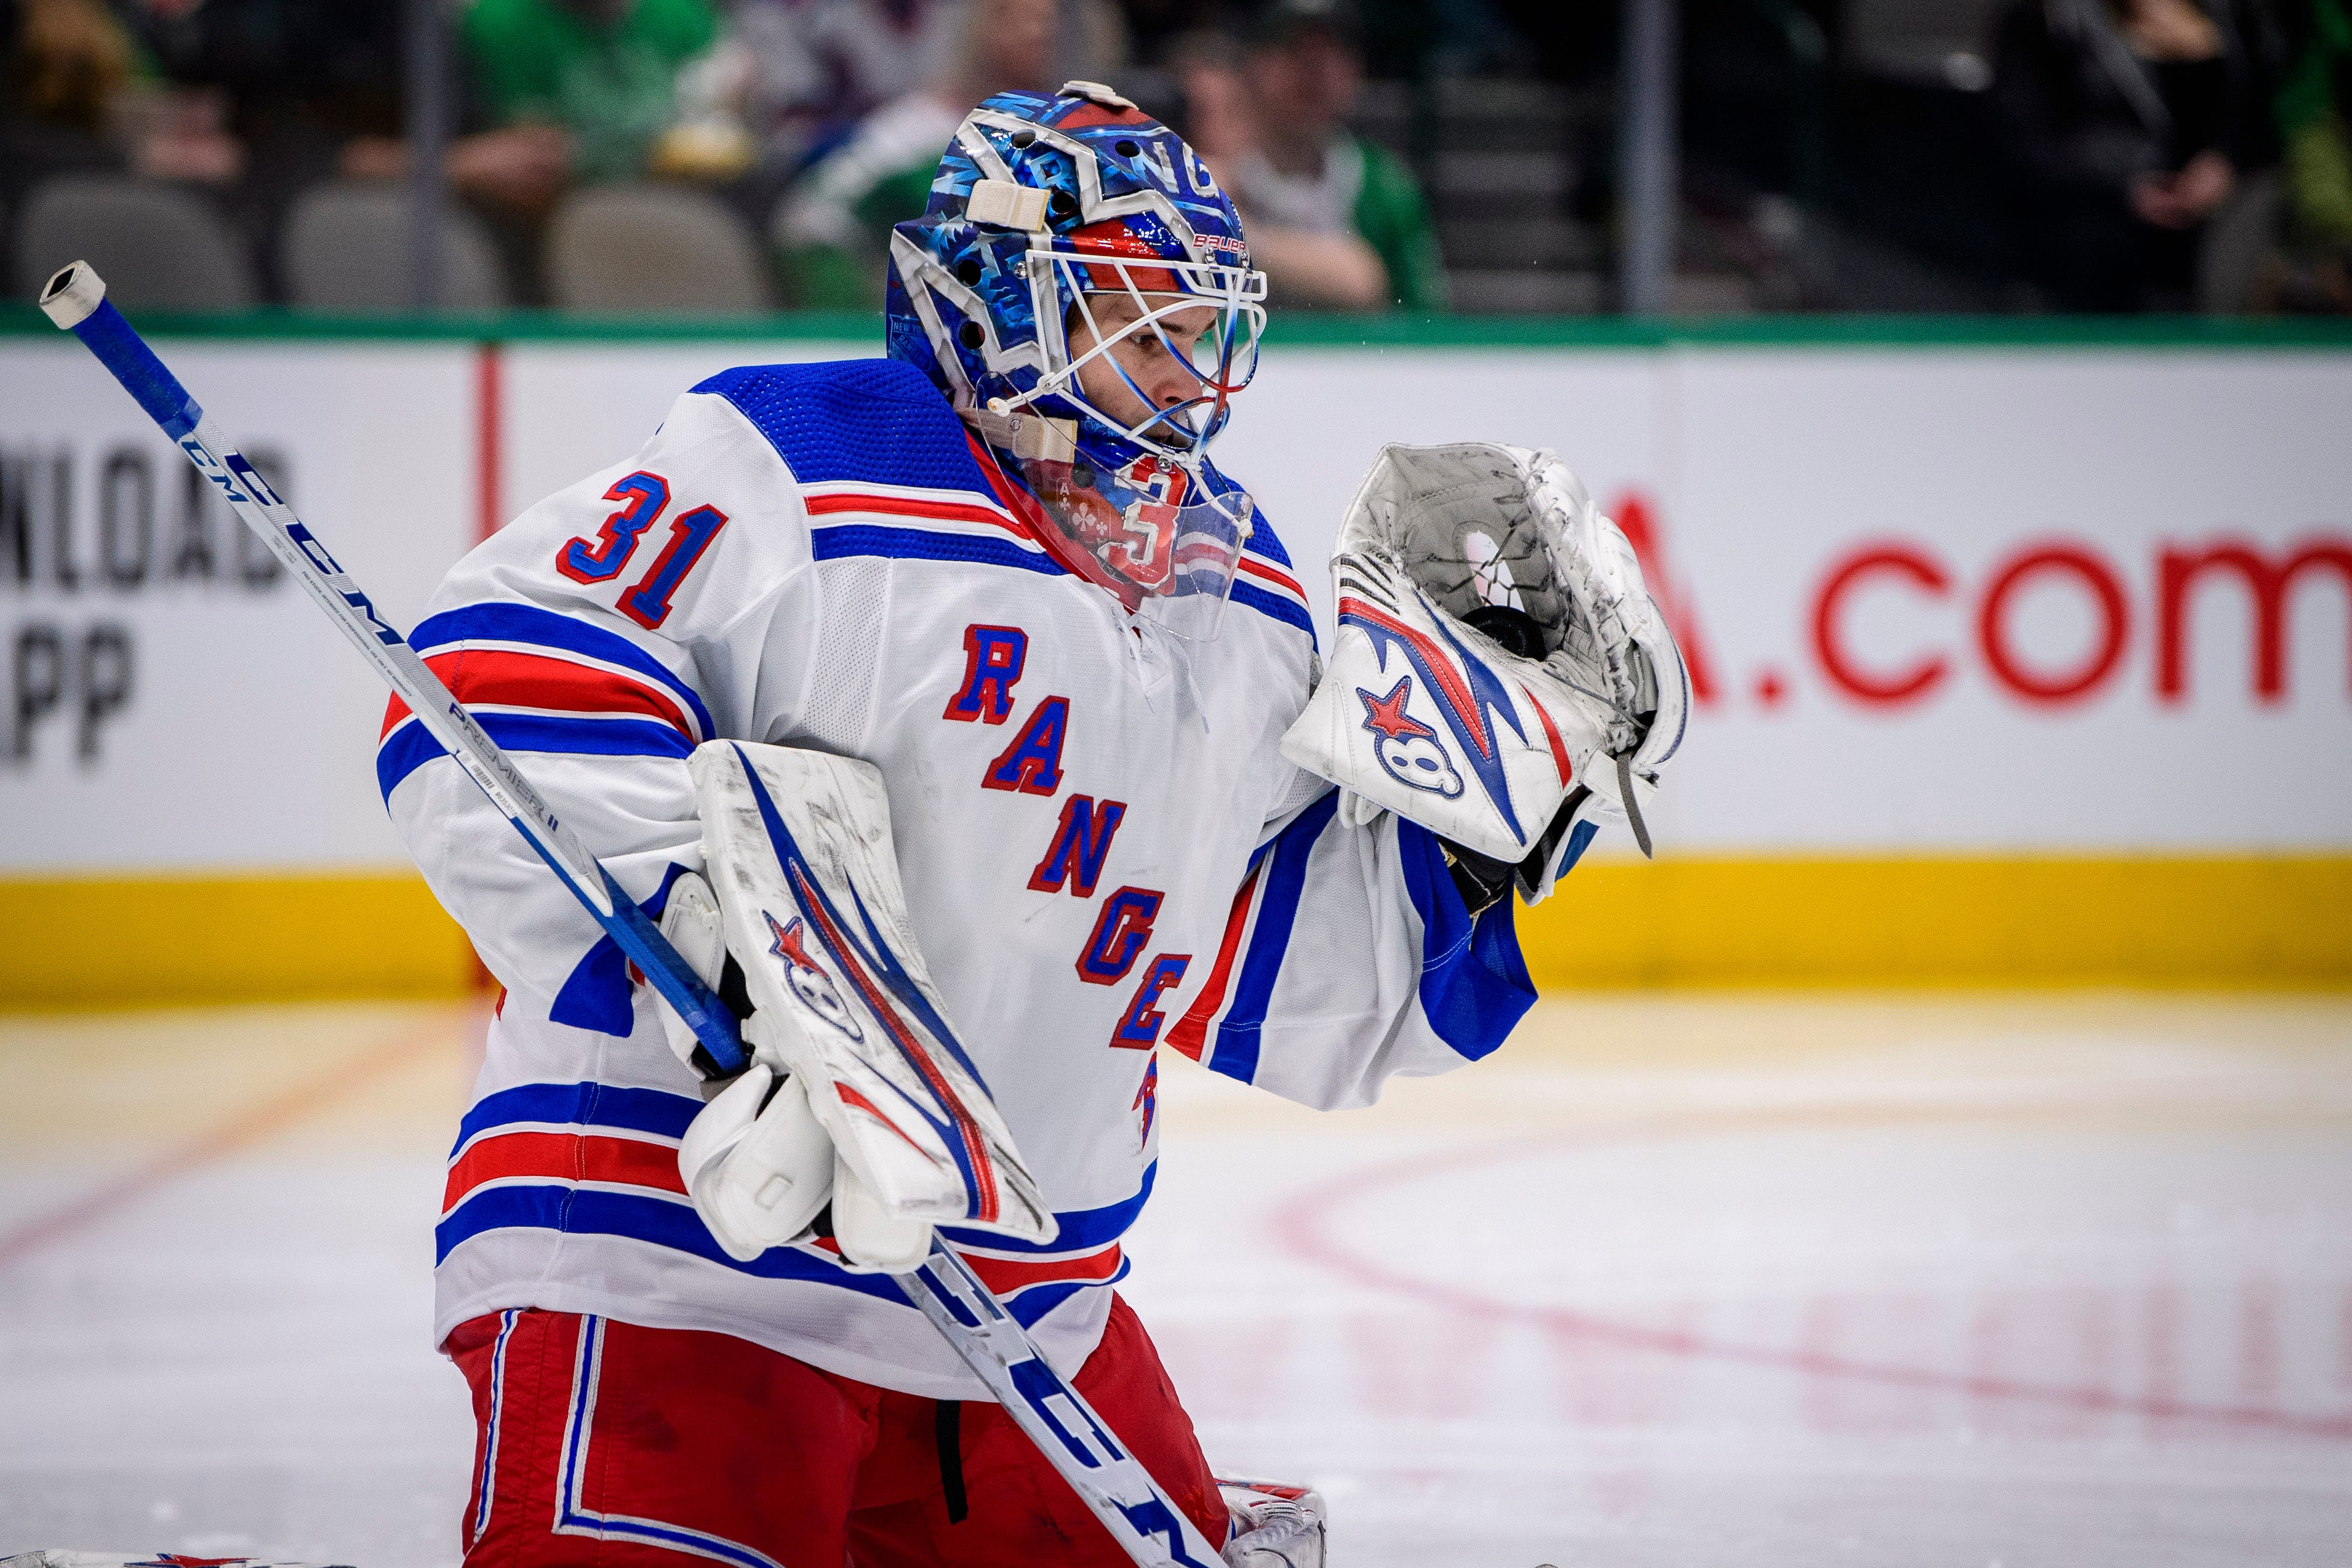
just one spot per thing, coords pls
(1056, 216)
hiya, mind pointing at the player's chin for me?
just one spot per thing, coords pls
(1177, 429)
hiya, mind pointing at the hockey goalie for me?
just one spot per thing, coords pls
(1130, 810)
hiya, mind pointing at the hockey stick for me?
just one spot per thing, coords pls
(1066, 1431)
(76, 300)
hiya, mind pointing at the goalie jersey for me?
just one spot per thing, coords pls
(1105, 855)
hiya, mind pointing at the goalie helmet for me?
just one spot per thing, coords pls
(1076, 215)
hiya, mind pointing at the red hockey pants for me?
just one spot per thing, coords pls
(603, 1445)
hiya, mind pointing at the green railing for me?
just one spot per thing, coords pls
(1301, 330)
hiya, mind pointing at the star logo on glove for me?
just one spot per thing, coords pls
(808, 980)
(1408, 750)
(1385, 716)
(788, 943)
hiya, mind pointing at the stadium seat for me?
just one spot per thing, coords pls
(1940, 43)
(159, 248)
(1498, 181)
(2239, 244)
(345, 246)
(652, 247)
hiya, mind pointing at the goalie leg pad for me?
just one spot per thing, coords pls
(798, 853)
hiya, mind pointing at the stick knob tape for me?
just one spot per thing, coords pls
(76, 300)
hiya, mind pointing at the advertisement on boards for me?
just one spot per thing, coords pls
(1972, 603)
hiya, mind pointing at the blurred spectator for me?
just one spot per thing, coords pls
(2315, 120)
(1334, 220)
(582, 87)
(832, 229)
(64, 67)
(263, 93)
(2129, 122)
(806, 71)
(1158, 30)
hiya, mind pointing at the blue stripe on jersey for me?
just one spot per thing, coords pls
(921, 544)
(501, 623)
(1077, 1230)
(849, 539)
(639, 1217)
(587, 1105)
(1277, 911)
(1474, 985)
(1035, 1302)
(410, 745)
(877, 421)
(667, 1222)
(1274, 605)
(1263, 541)
(408, 748)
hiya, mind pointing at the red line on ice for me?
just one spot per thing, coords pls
(224, 1138)
(1302, 1226)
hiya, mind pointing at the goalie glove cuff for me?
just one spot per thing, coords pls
(1481, 879)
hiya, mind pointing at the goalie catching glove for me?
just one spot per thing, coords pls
(858, 1094)
(1500, 675)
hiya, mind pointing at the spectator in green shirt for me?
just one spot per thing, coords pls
(604, 73)
(1334, 220)
(2314, 111)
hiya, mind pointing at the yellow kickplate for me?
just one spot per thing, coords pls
(73, 943)
(2251, 921)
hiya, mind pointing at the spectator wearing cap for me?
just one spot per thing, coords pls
(1334, 220)
(831, 229)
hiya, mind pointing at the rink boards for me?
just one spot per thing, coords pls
(2022, 656)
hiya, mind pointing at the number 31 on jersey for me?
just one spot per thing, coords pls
(643, 497)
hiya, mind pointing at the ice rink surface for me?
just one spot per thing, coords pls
(1729, 1282)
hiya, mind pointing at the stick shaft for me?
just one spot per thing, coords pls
(1138, 1514)
(157, 391)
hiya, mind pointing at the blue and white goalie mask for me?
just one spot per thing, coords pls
(1080, 290)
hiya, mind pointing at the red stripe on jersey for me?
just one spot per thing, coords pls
(498, 677)
(1275, 575)
(1003, 1276)
(1041, 528)
(1191, 1031)
(910, 507)
(563, 1156)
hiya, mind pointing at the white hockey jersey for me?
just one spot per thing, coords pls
(1104, 853)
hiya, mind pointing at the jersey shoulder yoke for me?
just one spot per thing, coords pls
(876, 421)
